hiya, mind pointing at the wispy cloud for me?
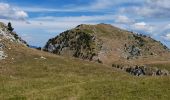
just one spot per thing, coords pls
(122, 19)
(142, 26)
(92, 18)
(150, 8)
(93, 6)
(166, 37)
(9, 12)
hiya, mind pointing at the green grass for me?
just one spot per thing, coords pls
(58, 78)
(162, 66)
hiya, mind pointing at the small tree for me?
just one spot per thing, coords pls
(10, 28)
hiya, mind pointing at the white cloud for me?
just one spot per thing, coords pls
(94, 5)
(102, 4)
(142, 26)
(122, 19)
(21, 14)
(9, 12)
(149, 8)
(159, 3)
(76, 18)
(166, 37)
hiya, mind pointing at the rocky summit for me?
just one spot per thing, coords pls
(105, 44)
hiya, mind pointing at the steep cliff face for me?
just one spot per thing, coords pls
(104, 43)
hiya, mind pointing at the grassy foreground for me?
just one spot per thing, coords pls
(29, 77)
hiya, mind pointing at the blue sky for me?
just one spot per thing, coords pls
(38, 20)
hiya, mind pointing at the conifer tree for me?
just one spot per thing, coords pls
(10, 28)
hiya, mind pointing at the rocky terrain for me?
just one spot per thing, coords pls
(6, 34)
(105, 44)
(140, 70)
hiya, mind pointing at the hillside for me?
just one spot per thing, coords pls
(33, 74)
(30, 74)
(106, 44)
(7, 35)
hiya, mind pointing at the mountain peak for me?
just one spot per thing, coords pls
(104, 43)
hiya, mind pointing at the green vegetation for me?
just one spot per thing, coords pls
(27, 78)
(68, 79)
(163, 66)
(10, 28)
(30, 74)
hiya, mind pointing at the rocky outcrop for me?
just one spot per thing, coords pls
(141, 45)
(11, 36)
(132, 51)
(75, 43)
(6, 34)
(142, 70)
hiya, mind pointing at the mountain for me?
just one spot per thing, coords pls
(106, 44)
(30, 74)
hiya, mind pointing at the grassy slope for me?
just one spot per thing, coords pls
(70, 79)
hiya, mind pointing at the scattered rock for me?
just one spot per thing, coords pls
(162, 72)
(137, 71)
(43, 57)
(142, 70)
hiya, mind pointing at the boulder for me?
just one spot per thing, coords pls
(163, 72)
